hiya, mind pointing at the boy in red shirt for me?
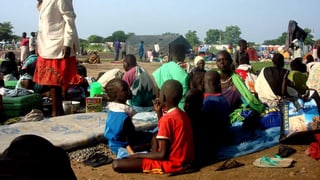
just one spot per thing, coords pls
(173, 148)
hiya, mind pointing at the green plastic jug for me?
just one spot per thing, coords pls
(95, 88)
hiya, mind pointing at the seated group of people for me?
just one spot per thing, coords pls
(22, 75)
(179, 140)
(190, 106)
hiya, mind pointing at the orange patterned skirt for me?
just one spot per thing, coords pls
(56, 72)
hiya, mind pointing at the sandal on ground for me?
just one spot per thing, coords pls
(286, 151)
(97, 159)
(229, 164)
(276, 162)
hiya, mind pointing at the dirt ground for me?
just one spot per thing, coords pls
(304, 167)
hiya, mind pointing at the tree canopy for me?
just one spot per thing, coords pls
(230, 35)
(6, 31)
(282, 39)
(213, 36)
(118, 35)
(95, 39)
(192, 38)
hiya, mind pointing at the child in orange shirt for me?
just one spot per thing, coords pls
(174, 141)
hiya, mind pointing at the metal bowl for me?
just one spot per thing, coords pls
(70, 107)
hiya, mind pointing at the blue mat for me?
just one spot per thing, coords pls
(249, 142)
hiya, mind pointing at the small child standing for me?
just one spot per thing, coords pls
(119, 130)
(174, 139)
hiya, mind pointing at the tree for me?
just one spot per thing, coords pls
(279, 41)
(6, 31)
(119, 35)
(108, 39)
(282, 38)
(84, 44)
(309, 39)
(95, 39)
(130, 34)
(192, 38)
(213, 36)
(231, 35)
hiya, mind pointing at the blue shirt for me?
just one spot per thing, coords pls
(115, 131)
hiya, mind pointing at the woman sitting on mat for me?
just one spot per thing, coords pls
(234, 89)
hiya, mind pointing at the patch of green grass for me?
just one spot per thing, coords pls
(257, 66)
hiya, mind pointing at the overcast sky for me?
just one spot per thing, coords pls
(258, 20)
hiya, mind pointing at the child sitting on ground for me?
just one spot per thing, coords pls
(174, 139)
(193, 107)
(119, 130)
(79, 92)
(9, 67)
(297, 76)
(216, 108)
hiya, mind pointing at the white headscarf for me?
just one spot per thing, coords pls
(197, 59)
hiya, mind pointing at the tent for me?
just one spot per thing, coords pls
(164, 41)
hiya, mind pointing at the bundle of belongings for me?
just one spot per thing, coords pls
(94, 58)
(300, 119)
